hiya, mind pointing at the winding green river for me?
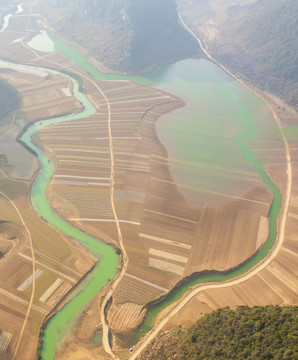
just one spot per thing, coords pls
(211, 137)
(104, 270)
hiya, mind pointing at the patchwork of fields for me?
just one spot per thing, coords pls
(166, 238)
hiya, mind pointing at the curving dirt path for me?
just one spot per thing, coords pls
(33, 274)
(281, 234)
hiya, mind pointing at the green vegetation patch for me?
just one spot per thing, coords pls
(10, 99)
(246, 333)
(260, 41)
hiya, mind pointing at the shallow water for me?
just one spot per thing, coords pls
(202, 136)
(42, 42)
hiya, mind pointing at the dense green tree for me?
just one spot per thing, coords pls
(257, 333)
(260, 42)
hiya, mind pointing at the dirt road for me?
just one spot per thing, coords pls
(33, 274)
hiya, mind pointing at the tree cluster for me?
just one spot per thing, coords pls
(258, 333)
(260, 42)
(246, 333)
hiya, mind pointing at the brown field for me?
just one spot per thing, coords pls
(165, 237)
(43, 97)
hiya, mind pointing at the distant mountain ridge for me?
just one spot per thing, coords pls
(260, 41)
(125, 35)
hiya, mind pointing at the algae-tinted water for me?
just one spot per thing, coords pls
(217, 127)
(261, 254)
(202, 136)
(103, 271)
(83, 63)
(216, 106)
(42, 42)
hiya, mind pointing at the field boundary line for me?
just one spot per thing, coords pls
(58, 263)
(20, 300)
(49, 268)
(209, 191)
(171, 216)
(147, 282)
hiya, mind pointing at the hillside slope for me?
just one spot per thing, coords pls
(260, 41)
(246, 333)
(125, 35)
(10, 99)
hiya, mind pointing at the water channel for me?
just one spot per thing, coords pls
(213, 134)
(105, 268)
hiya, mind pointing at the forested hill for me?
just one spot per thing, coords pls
(10, 99)
(246, 333)
(260, 41)
(125, 35)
